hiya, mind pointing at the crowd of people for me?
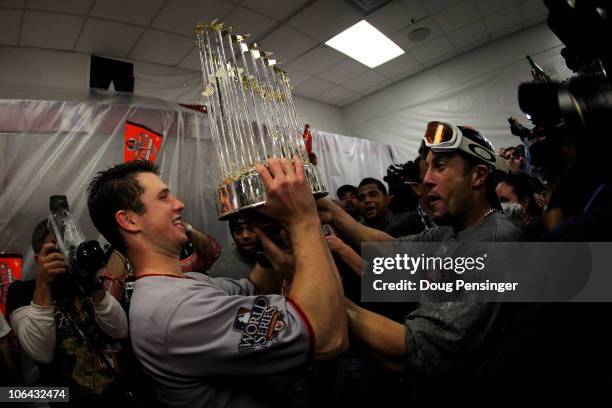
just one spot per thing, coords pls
(277, 319)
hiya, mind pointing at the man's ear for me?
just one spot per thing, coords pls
(388, 198)
(125, 220)
(479, 175)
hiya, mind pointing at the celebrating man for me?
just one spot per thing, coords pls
(440, 339)
(213, 342)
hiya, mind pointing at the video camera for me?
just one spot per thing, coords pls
(83, 258)
(578, 110)
(399, 177)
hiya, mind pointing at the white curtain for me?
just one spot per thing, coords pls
(53, 147)
(348, 160)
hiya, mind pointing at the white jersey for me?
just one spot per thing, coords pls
(212, 342)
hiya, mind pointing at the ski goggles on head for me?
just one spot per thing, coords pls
(446, 137)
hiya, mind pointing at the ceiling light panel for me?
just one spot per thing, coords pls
(365, 44)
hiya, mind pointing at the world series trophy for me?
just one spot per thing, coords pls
(251, 116)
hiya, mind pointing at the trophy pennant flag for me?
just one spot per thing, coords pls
(10, 271)
(251, 116)
(140, 143)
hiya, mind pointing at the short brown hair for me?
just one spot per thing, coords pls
(116, 189)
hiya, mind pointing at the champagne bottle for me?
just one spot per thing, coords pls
(537, 72)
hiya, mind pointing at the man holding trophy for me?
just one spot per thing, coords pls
(215, 341)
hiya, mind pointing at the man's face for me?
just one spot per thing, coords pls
(421, 189)
(348, 201)
(450, 188)
(514, 158)
(508, 153)
(161, 224)
(245, 239)
(505, 194)
(372, 203)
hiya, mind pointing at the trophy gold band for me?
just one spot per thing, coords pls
(251, 116)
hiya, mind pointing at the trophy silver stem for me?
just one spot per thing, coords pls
(251, 117)
(243, 47)
(268, 97)
(245, 107)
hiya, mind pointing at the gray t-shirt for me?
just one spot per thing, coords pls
(442, 337)
(231, 265)
(211, 342)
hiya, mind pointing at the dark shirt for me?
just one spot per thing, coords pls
(558, 353)
(441, 335)
(398, 224)
(533, 229)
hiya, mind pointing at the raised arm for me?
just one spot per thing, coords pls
(316, 285)
(348, 254)
(345, 225)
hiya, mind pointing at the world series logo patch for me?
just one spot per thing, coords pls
(259, 326)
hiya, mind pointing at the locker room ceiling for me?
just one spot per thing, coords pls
(161, 32)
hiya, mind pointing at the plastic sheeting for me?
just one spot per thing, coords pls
(51, 147)
(56, 147)
(348, 160)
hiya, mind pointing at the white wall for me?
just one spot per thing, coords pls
(321, 115)
(477, 89)
(24, 71)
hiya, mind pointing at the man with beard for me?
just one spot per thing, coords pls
(239, 261)
(69, 329)
(347, 198)
(442, 342)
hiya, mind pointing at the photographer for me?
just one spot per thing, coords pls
(559, 353)
(67, 327)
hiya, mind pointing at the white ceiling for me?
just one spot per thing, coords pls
(160, 31)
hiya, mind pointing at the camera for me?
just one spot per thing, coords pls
(83, 258)
(399, 177)
(575, 112)
(578, 107)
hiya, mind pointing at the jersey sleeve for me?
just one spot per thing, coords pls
(213, 334)
(4, 327)
(230, 286)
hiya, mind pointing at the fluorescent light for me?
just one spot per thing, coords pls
(365, 44)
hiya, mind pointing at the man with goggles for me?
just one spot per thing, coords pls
(446, 137)
(442, 340)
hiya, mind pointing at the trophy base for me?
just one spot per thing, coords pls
(247, 192)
